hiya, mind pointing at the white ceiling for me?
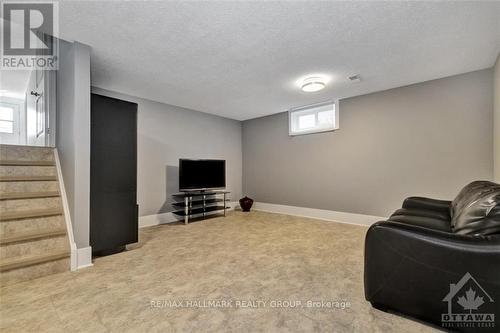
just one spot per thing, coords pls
(242, 59)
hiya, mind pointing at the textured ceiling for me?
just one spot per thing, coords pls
(242, 59)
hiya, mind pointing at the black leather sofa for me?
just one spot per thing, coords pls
(425, 260)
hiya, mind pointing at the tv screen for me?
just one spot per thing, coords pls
(201, 174)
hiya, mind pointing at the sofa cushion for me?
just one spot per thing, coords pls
(424, 219)
(476, 209)
(423, 203)
(442, 215)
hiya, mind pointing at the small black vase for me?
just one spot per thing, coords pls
(246, 203)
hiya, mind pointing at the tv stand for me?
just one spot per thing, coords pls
(199, 203)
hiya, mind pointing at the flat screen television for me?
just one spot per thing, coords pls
(201, 174)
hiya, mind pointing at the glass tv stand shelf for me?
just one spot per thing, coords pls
(199, 203)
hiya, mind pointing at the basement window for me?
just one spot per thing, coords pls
(314, 118)
(6, 120)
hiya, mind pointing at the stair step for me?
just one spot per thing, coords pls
(27, 163)
(30, 204)
(19, 262)
(10, 146)
(28, 195)
(32, 224)
(26, 153)
(26, 236)
(28, 171)
(17, 215)
(26, 178)
(35, 186)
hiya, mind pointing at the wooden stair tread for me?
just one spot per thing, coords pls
(19, 262)
(26, 236)
(23, 214)
(28, 195)
(27, 163)
(26, 178)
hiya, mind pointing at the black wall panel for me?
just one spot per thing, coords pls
(113, 174)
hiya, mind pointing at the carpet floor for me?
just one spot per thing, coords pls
(248, 272)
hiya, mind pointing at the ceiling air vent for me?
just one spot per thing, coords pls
(355, 78)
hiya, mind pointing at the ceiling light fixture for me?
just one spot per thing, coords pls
(313, 84)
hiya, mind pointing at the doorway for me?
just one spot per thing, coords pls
(27, 107)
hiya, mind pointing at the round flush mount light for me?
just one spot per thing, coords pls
(313, 84)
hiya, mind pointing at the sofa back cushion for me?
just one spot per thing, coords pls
(476, 209)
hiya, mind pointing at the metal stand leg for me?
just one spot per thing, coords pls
(224, 203)
(186, 210)
(204, 205)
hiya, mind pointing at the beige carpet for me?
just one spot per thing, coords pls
(269, 259)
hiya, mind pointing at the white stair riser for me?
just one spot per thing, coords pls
(34, 271)
(34, 247)
(37, 186)
(18, 153)
(27, 170)
(30, 204)
(31, 225)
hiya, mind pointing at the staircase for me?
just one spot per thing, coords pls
(33, 238)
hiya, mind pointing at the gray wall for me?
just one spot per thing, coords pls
(73, 133)
(167, 133)
(425, 139)
(496, 148)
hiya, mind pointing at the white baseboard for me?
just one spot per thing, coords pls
(73, 257)
(67, 215)
(157, 219)
(321, 214)
(84, 256)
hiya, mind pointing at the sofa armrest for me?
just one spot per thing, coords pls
(427, 204)
(410, 268)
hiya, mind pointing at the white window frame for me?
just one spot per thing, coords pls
(312, 107)
(15, 113)
(20, 107)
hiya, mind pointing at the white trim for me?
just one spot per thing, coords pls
(67, 216)
(320, 214)
(84, 256)
(156, 219)
(163, 218)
